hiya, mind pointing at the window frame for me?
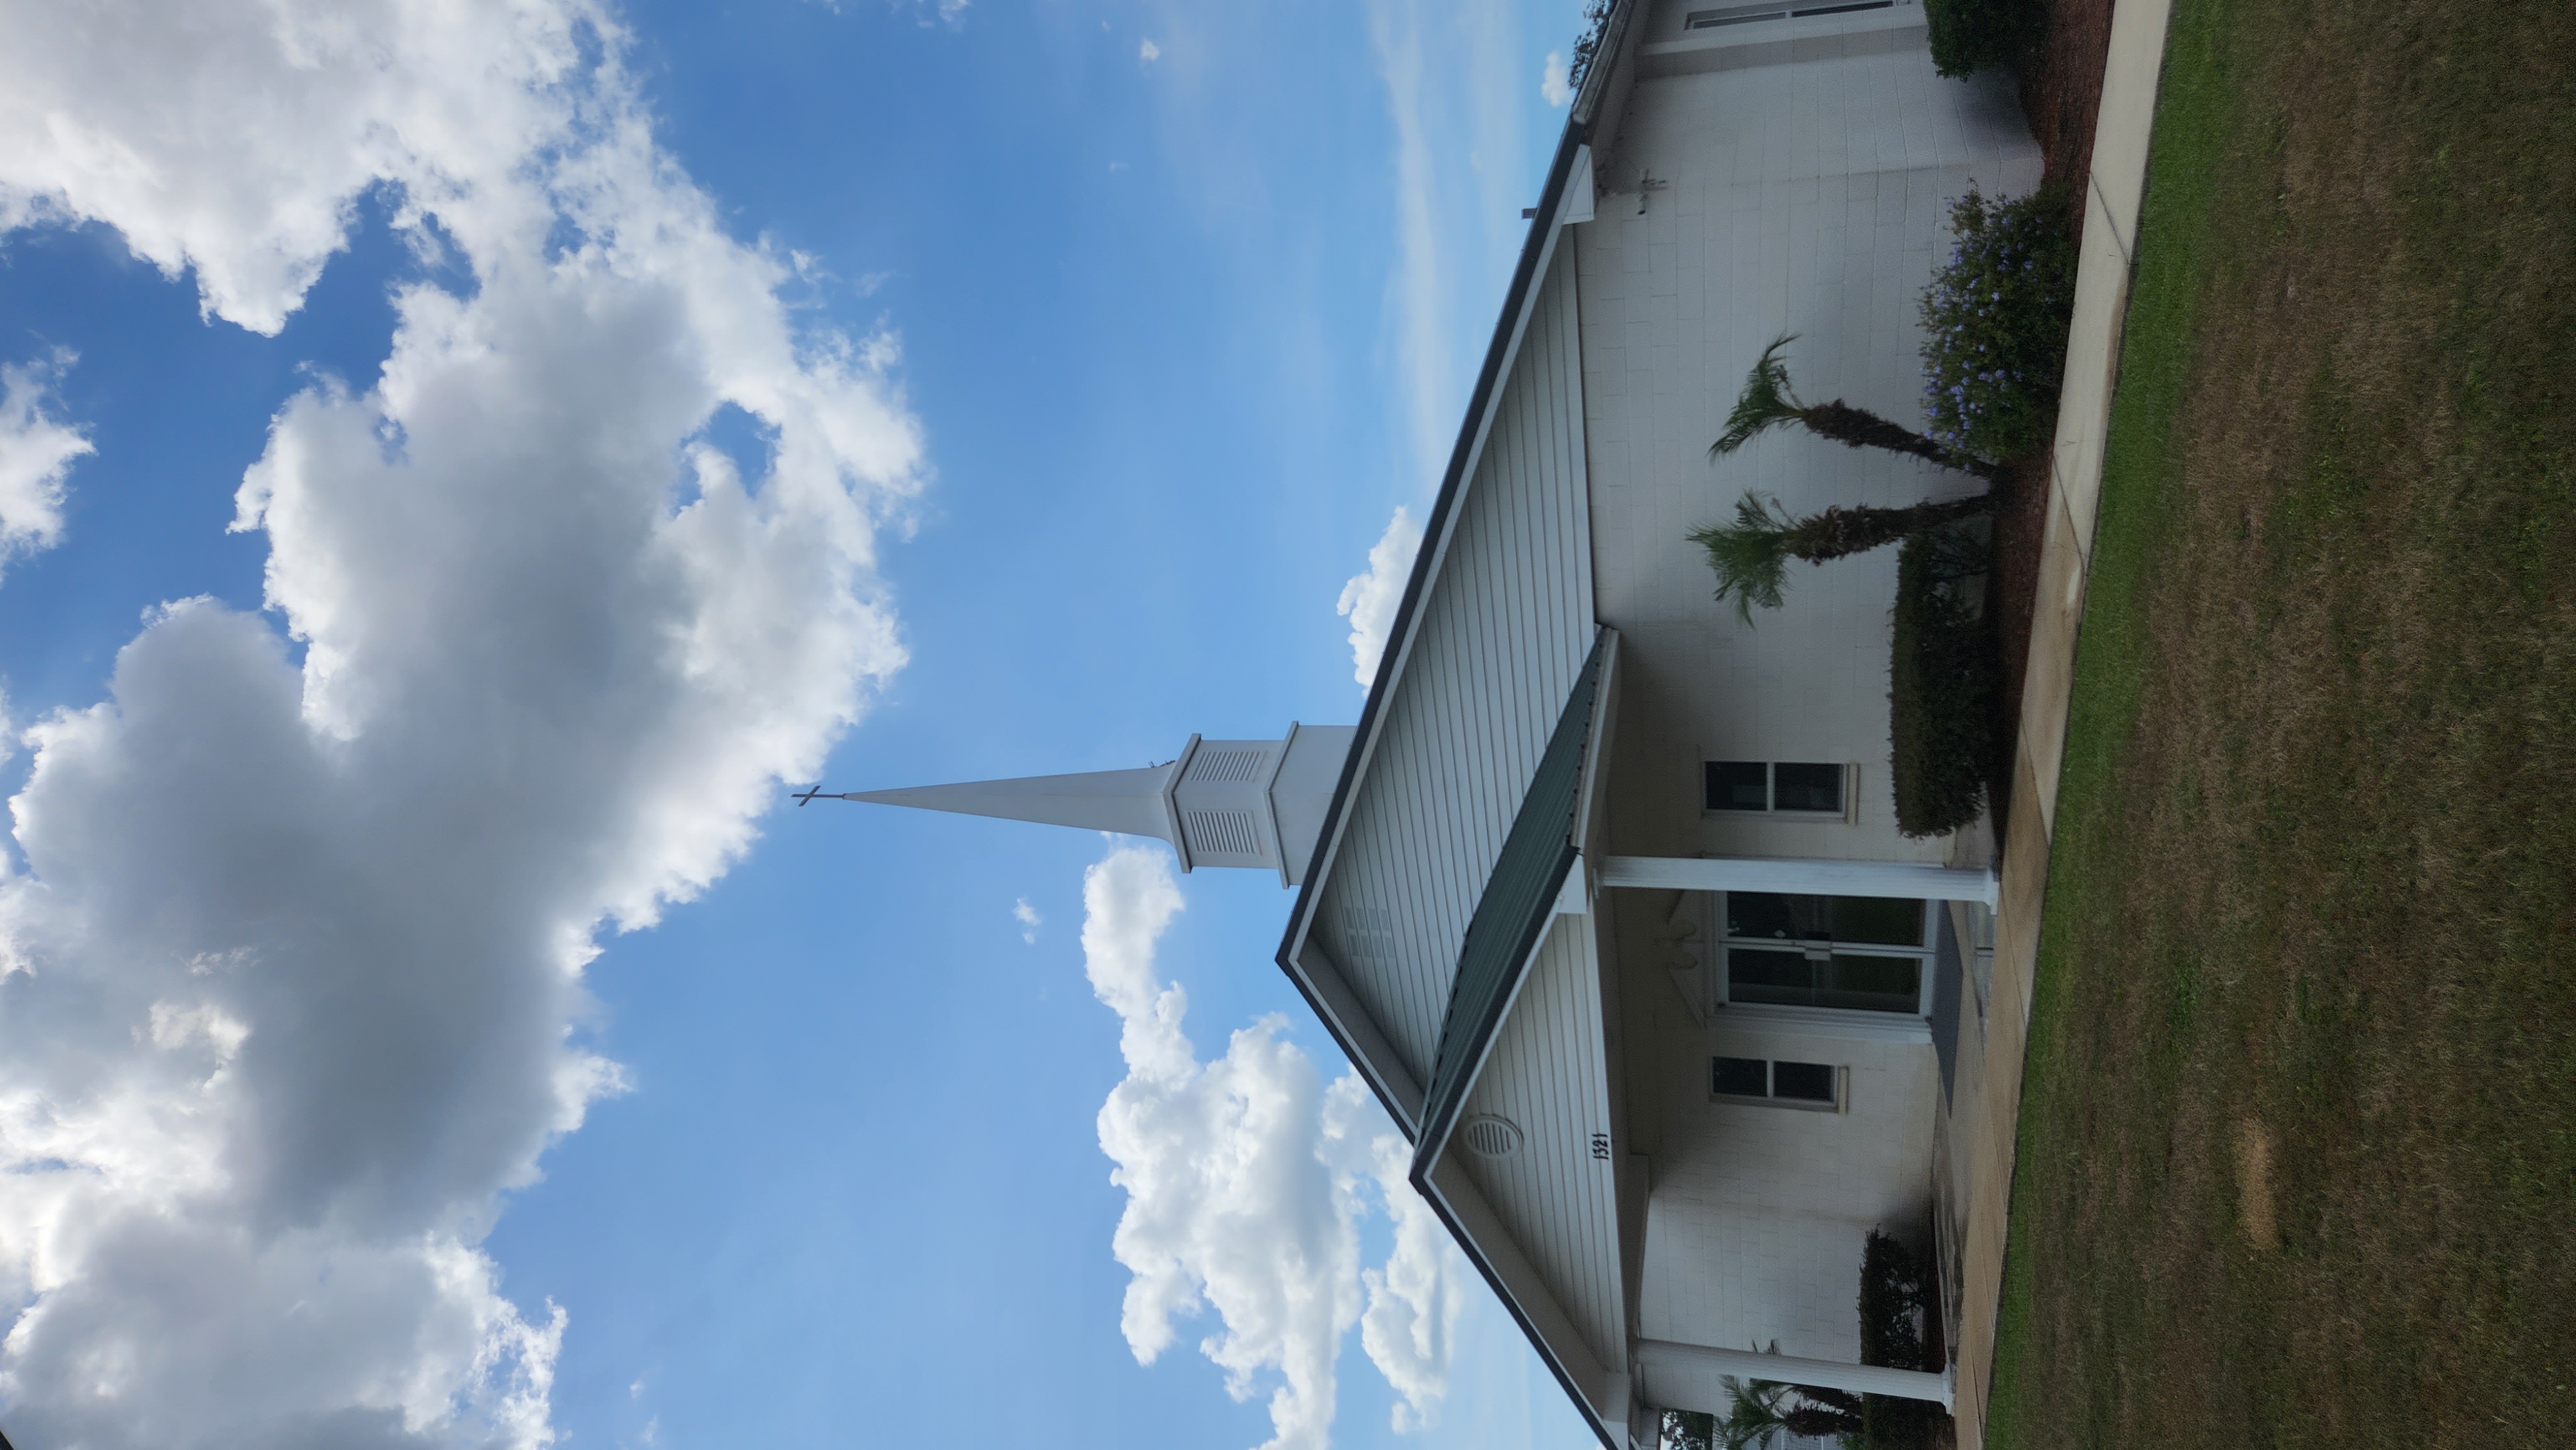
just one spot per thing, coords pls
(1770, 1097)
(1770, 809)
(1720, 980)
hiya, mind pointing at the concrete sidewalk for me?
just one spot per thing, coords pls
(2117, 183)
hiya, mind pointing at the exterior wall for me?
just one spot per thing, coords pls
(1548, 1076)
(1806, 198)
(1788, 186)
(1756, 1218)
(1498, 643)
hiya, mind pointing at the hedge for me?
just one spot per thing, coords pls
(1941, 684)
(1970, 35)
(1892, 1302)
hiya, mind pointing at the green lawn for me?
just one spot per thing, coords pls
(2298, 1137)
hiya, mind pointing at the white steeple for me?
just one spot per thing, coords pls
(1252, 803)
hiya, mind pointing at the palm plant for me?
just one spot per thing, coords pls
(1768, 402)
(1751, 556)
(1757, 1411)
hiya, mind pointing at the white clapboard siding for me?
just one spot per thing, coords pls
(1503, 632)
(1548, 1077)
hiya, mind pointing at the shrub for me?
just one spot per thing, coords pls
(1941, 680)
(1891, 1304)
(1969, 35)
(1892, 1300)
(1994, 325)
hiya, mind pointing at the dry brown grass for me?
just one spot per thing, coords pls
(2315, 877)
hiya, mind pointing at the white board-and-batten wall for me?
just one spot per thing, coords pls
(1794, 188)
(1807, 197)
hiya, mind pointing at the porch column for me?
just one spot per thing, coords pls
(1686, 1376)
(1798, 876)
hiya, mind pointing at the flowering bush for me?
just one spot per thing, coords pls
(1994, 325)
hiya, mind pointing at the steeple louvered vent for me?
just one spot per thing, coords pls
(1221, 833)
(1224, 765)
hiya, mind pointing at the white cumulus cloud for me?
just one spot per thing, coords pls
(1555, 85)
(1028, 918)
(36, 453)
(1246, 1178)
(1369, 600)
(291, 957)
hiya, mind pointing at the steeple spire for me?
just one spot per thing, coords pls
(1252, 803)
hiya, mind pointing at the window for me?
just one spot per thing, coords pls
(1797, 786)
(1789, 1084)
(1733, 15)
(1749, 14)
(1793, 787)
(1852, 953)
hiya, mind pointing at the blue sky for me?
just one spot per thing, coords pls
(569, 425)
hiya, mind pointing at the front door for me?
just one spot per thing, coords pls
(1854, 953)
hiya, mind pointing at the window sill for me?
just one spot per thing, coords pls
(1799, 1104)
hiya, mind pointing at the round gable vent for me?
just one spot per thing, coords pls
(1488, 1136)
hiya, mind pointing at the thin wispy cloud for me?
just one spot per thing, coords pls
(292, 951)
(1417, 297)
(1029, 920)
(1246, 1178)
(1454, 89)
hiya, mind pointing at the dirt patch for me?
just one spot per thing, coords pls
(2257, 1218)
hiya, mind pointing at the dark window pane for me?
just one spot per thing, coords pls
(1738, 785)
(1780, 979)
(1807, 1082)
(1798, 786)
(1737, 1076)
(1885, 921)
(1768, 914)
(1872, 984)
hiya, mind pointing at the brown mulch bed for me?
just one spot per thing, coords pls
(2061, 94)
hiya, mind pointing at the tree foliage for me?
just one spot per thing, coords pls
(1587, 46)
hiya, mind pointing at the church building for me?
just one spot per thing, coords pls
(1604, 893)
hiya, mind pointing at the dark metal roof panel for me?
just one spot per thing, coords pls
(1518, 901)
